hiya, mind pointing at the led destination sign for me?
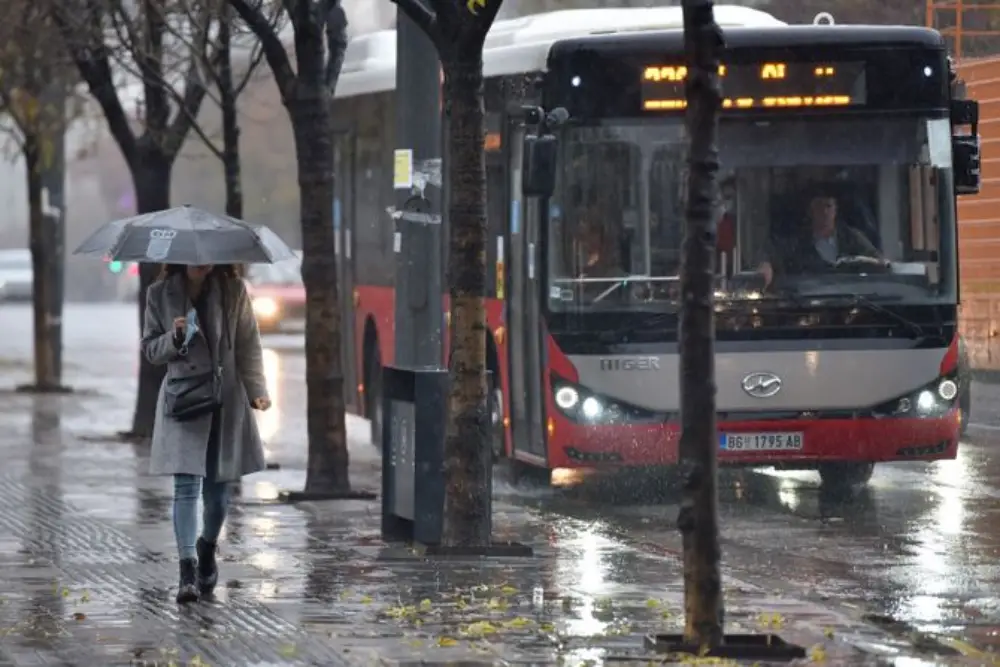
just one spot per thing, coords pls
(768, 85)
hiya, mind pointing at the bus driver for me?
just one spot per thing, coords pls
(818, 246)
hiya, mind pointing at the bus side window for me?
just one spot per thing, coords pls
(924, 221)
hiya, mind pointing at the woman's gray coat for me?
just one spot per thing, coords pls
(180, 447)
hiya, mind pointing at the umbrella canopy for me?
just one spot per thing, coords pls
(186, 235)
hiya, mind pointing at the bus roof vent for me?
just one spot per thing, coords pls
(374, 50)
(569, 23)
(824, 18)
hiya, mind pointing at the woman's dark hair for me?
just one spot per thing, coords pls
(232, 271)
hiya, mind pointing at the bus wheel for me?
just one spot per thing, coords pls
(495, 407)
(373, 397)
(845, 475)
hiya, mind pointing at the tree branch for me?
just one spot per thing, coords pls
(186, 119)
(149, 56)
(309, 46)
(336, 42)
(424, 17)
(91, 57)
(274, 50)
(485, 12)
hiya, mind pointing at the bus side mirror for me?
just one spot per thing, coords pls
(538, 177)
(966, 162)
(965, 153)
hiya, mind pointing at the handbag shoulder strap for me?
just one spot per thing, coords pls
(226, 328)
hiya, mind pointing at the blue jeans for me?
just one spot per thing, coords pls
(215, 498)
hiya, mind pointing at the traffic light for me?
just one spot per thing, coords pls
(115, 267)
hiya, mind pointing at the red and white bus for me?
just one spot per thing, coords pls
(831, 365)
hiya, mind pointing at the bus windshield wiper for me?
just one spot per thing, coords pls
(861, 300)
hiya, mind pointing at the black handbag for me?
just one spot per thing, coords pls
(193, 396)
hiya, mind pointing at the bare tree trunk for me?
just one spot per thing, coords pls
(698, 519)
(328, 459)
(467, 454)
(230, 123)
(151, 179)
(42, 256)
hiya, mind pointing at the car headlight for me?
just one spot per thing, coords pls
(932, 400)
(265, 307)
(582, 405)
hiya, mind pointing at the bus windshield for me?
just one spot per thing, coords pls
(806, 208)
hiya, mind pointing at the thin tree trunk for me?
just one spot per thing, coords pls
(151, 178)
(467, 454)
(698, 519)
(46, 378)
(230, 123)
(328, 458)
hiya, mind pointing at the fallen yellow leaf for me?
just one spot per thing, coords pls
(446, 642)
(817, 653)
(479, 629)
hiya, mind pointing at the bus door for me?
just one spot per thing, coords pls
(344, 226)
(526, 331)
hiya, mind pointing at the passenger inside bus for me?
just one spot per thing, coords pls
(594, 253)
(819, 242)
(725, 235)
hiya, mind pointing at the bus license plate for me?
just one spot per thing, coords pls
(761, 442)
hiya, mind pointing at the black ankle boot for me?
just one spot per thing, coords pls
(187, 589)
(208, 570)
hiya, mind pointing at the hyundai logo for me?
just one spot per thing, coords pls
(762, 385)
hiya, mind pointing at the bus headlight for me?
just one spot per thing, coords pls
(926, 402)
(934, 399)
(584, 406)
(948, 390)
(591, 408)
(567, 397)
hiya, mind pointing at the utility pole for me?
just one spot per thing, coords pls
(419, 195)
(698, 519)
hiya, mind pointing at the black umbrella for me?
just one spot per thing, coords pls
(186, 235)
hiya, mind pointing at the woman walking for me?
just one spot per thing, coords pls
(199, 322)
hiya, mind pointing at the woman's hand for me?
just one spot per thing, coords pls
(261, 404)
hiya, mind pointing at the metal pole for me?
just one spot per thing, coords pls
(53, 178)
(418, 204)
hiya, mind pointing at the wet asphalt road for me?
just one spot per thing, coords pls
(921, 545)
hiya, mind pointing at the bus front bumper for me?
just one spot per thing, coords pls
(575, 445)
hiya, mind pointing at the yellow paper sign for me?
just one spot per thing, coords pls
(402, 169)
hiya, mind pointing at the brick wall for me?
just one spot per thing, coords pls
(979, 224)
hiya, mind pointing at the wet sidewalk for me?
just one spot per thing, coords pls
(89, 570)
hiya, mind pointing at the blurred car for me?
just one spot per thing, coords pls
(277, 294)
(16, 275)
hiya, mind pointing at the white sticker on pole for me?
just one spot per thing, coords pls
(402, 169)
(499, 250)
(347, 243)
(531, 261)
(397, 242)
